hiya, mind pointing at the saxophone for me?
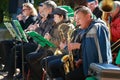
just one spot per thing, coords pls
(61, 37)
(68, 60)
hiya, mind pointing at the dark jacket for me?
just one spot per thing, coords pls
(28, 21)
(97, 12)
(46, 26)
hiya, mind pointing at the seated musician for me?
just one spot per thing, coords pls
(27, 16)
(30, 16)
(94, 46)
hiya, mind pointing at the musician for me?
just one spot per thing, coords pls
(94, 6)
(30, 15)
(95, 44)
(115, 25)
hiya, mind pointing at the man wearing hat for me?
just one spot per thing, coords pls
(93, 5)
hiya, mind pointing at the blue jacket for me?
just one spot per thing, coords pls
(96, 45)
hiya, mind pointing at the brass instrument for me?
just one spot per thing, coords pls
(68, 60)
(106, 6)
(62, 38)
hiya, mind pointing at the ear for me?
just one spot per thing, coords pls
(96, 2)
(89, 16)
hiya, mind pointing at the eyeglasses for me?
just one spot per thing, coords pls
(25, 9)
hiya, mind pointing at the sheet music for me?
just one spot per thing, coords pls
(12, 30)
(40, 39)
(20, 30)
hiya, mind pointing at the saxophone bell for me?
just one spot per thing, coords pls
(65, 58)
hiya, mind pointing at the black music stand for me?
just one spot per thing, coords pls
(23, 39)
(14, 33)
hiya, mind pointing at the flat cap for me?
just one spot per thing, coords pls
(60, 11)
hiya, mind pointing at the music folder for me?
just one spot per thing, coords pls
(12, 31)
(40, 39)
(20, 30)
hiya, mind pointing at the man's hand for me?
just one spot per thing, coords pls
(73, 46)
(47, 36)
(20, 17)
(78, 63)
(62, 45)
(32, 27)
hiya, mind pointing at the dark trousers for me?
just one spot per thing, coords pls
(16, 55)
(5, 52)
(53, 66)
(77, 74)
(34, 60)
(55, 69)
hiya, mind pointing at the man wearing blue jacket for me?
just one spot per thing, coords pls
(95, 44)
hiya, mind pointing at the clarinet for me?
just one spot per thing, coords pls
(35, 22)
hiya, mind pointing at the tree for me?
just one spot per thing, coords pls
(3, 9)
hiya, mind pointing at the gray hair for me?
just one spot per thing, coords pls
(50, 4)
(85, 10)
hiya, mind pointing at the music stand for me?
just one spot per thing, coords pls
(40, 39)
(12, 31)
(23, 39)
(20, 31)
(14, 34)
